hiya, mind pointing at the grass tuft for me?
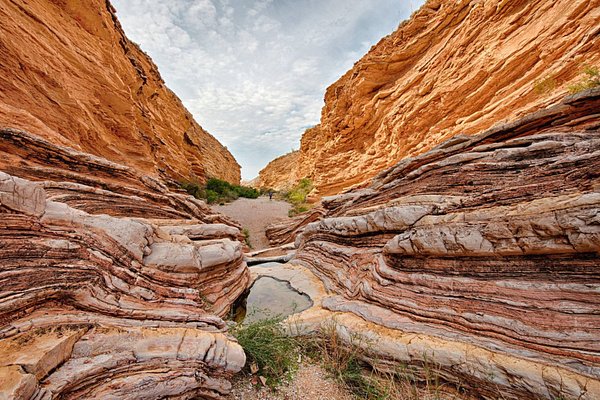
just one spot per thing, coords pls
(268, 347)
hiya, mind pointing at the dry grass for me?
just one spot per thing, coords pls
(344, 360)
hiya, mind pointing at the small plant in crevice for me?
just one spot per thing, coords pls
(543, 86)
(589, 80)
(246, 234)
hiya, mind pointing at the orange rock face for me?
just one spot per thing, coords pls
(279, 173)
(70, 75)
(453, 68)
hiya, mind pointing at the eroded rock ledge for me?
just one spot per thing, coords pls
(481, 256)
(94, 305)
(454, 68)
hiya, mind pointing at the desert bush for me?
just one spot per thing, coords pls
(218, 191)
(269, 348)
(297, 196)
(590, 79)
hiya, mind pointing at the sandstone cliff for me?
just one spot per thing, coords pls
(480, 256)
(69, 74)
(456, 67)
(280, 173)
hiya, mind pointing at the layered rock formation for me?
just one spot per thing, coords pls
(71, 76)
(456, 67)
(480, 257)
(279, 174)
(112, 283)
(96, 306)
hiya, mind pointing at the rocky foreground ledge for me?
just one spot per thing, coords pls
(480, 257)
(94, 305)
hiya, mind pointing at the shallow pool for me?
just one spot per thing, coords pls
(269, 297)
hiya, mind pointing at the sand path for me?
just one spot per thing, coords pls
(255, 215)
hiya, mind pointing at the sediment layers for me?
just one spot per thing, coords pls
(455, 67)
(281, 173)
(481, 257)
(111, 285)
(71, 76)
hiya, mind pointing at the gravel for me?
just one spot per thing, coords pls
(255, 215)
(309, 382)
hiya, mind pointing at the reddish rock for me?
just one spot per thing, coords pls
(96, 305)
(491, 241)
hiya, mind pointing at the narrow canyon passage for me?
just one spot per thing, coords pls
(255, 215)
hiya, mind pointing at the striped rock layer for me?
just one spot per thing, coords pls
(481, 256)
(111, 285)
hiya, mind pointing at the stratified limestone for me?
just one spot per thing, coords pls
(454, 68)
(481, 256)
(96, 306)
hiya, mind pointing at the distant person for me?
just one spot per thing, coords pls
(270, 195)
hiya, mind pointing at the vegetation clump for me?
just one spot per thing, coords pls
(297, 196)
(545, 85)
(591, 79)
(269, 350)
(344, 360)
(274, 356)
(246, 234)
(218, 191)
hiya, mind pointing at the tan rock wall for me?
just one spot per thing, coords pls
(280, 173)
(489, 241)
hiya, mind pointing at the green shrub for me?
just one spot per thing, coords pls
(246, 234)
(591, 79)
(297, 196)
(298, 193)
(267, 346)
(211, 196)
(218, 191)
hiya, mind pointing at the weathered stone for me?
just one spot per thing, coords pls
(481, 256)
(97, 306)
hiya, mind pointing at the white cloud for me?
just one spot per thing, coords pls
(254, 73)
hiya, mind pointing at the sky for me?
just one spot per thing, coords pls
(254, 72)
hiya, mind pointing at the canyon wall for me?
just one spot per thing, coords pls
(71, 76)
(96, 306)
(280, 173)
(113, 282)
(456, 67)
(479, 258)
